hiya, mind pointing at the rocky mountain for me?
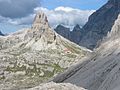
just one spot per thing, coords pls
(73, 35)
(32, 56)
(99, 24)
(63, 31)
(101, 69)
(1, 34)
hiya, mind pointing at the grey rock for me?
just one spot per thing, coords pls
(63, 31)
(99, 24)
(75, 35)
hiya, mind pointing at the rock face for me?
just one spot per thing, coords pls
(32, 56)
(99, 24)
(73, 35)
(41, 29)
(101, 70)
(63, 31)
(1, 34)
(54, 86)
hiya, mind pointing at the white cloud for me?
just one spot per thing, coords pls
(60, 15)
(66, 16)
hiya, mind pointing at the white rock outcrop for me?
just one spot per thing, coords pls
(54, 86)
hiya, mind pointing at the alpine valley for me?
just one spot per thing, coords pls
(39, 58)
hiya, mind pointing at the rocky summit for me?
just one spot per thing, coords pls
(32, 56)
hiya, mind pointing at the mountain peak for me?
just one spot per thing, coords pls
(77, 28)
(41, 29)
(61, 26)
(77, 25)
(40, 19)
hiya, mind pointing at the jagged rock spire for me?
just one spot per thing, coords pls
(40, 20)
(41, 29)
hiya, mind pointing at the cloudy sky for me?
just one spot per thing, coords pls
(15, 14)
